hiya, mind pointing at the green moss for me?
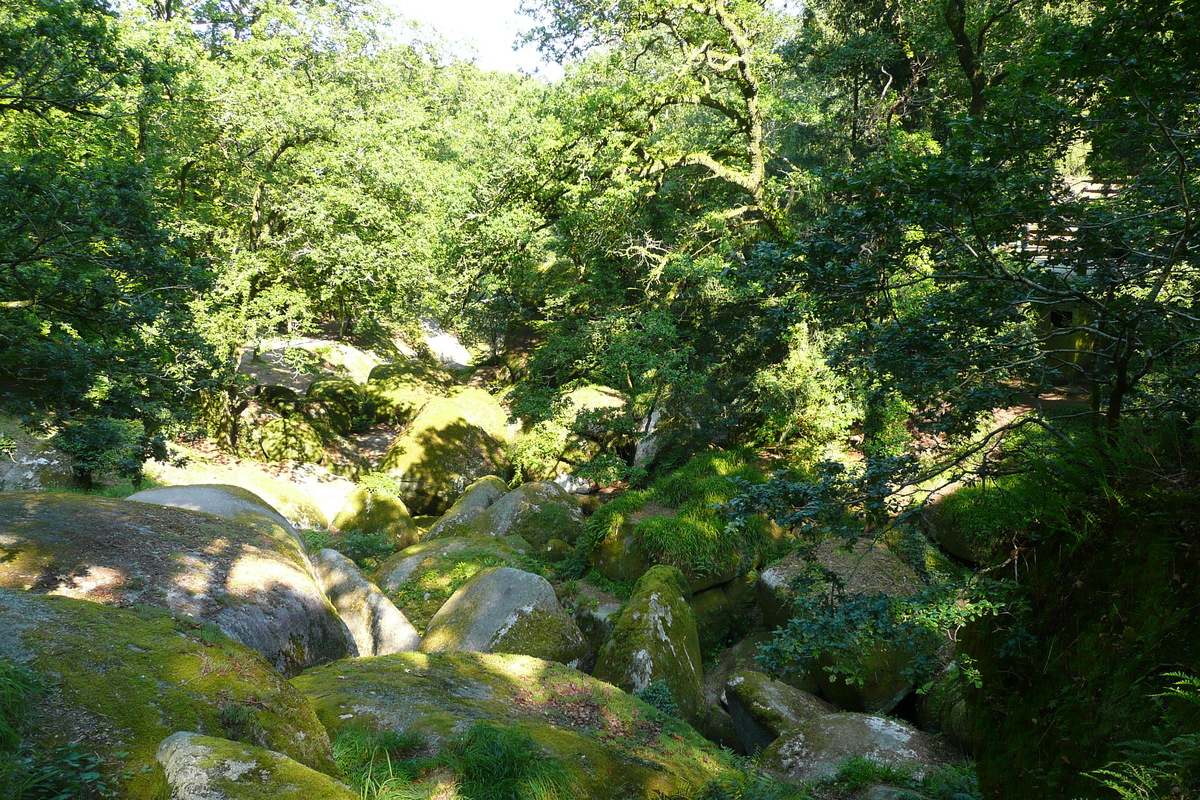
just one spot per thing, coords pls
(124, 680)
(610, 744)
(290, 439)
(655, 638)
(400, 390)
(451, 443)
(337, 402)
(442, 567)
(246, 772)
(676, 522)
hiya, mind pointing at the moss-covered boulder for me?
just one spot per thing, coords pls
(762, 710)
(474, 501)
(251, 578)
(375, 510)
(120, 681)
(451, 443)
(196, 767)
(506, 610)
(714, 616)
(537, 512)
(655, 639)
(419, 579)
(378, 627)
(337, 402)
(974, 524)
(819, 747)
(867, 568)
(400, 390)
(283, 400)
(219, 499)
(612, 745)
(289, 439)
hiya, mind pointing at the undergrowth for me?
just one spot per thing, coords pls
(488, 762)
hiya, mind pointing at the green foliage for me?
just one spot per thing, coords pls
(487, 762)
(102, 444)
(952, 782)
(367, 549)
(658, 694)
(749, 784)
(805, 406)
(17, 687)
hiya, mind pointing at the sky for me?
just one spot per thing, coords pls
(488, 26)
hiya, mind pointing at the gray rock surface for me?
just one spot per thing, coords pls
(378, 627)
(819, 747)
(250, 578)
(199, 767)
(219, 499)
(762, 710)
(505, 610)
(473, 502)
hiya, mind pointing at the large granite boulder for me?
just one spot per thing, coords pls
(377, 511)
(197, 767)
(612, 745)
(537, 512)
(763, 710)
(288, 439)
(819, 747)
(451, 443)
(250, 578)
(419, 579)
(400, 390)
(474, 501)
(219, 499)
(378, 627)
(505, 610)
(655, 640)
(867, 568)
(337, 402)
(120, 681)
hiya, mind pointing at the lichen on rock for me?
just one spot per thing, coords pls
(655, 639)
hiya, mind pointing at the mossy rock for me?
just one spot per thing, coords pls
(763, 710)
(453, 442)
(714, 616)
(625, 551)
(219, 499)
(283, 400)
(943, 708)
(506, 610)
(196, 767)
(400, 390)
(374, 510)
(864, 568)
(818, 748)
(290, 439)
(249, 577)
(122, 680)
(537, 512)
(612, 745)
(474, 500)
(378, 627)
(655, 639)
(419, 579)
(336, 401)
(965, 524)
